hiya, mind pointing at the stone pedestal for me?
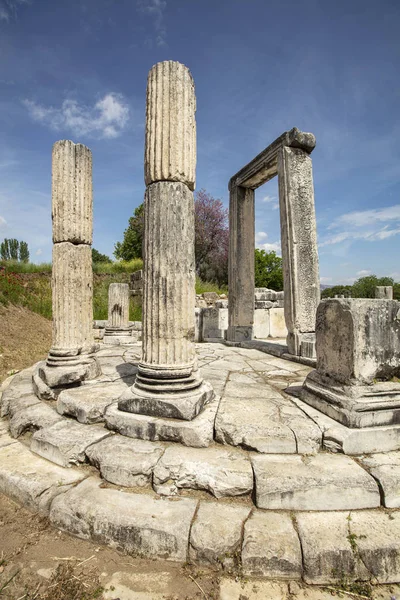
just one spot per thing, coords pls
(357, 380)
(71, 358)
(168, 383)
(384, 292)
(118, 330)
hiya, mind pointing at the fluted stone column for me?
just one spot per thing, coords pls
(169, 383)
(71, 357)
(118, 330)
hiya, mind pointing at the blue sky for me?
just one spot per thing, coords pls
(77, 69)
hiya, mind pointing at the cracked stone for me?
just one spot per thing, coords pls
(88, 402)
(385, 468)
(32, 418)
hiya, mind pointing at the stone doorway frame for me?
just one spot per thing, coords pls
(289, 158)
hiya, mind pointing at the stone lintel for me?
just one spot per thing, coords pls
(265, 165)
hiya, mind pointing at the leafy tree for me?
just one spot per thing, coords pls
(5, 250)
(13, 244)
(131, 245)
(365, 286)
(268, 270)
(211, 238)
(97, 257)
(396, 291)
(23, 252)
(337, 290)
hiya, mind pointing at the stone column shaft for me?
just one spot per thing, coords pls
(299, 245)
(118, 305)
(241, 263)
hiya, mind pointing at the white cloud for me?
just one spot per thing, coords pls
(267, 246)
(272, 200)
(38, 252)
(106, 119)
(2, 221)
(155, 9)
(261, 235)
(363, 273)
(325, 279)
(366, 218)
(9, 8)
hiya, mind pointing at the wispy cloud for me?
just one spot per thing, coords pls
(364, 218)
(267, 246)
(272, 200)
(3, 222)
(363, 273)
(106, 119)
(155, 9)
(9, 9)
(325, 279)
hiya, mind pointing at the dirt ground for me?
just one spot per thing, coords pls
(25, 338)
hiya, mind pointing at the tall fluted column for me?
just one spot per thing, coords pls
(71, 356)
(168, 383)
(118, 330)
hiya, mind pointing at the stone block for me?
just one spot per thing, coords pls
(358, 362)
(261, 327)
(277, 324)
(65, 442)
(385, 468)
(384, 292)
(87, 403)
(216, 534)
(329, 552)
(5, 437)
(32, 481)
(170, 152)
(124, 461)
(215, 323)
(198, 325)
(197, 433)
(133, 523)
(271, 547)
(118, 305)
(265, 294)
(231, 589)
(17, 386)
(320, 482)
(217, 470)
(33, 417)
(240, 333)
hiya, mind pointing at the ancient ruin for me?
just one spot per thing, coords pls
(236, 456)
(289, 158)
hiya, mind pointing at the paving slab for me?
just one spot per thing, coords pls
(197, 433)
(134, 523)
(88, 402)
(31, 480)
(220, 471)
(114, 368)
(125, 461)
(321, 482)
(230, 589)
(20, 385)
(385, 468)
(328, 555)
(22, 403)
(217, 532)
(33, 417)
(253, 424)
(271, 547)
(65, 442)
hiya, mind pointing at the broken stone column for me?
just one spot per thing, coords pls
(71, 358)
(384, 292)
(118, 330)
(299, 248)
(168, 382)
(357, 380)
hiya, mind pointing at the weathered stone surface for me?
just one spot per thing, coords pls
(376, 536)
(180, 404)
(385, 468)
(124, 461)
(231, 589)
(170, 152)
(220, 471)
(261, 323)
(328, 555)
(72, 201)
(271, 547)
(197, 433)
(118, 305)
(215, 323)
(21, 403)
(5, 437)
(134, 523)
(115, 367)
(40, 388)
(33, 417)
(384, 292)
(321, 482)
(277, 323)
(85, 367)
(358, 346)
(32, 481)
(65, 442)
(299, 244)
(216, 533)
(17, 386)
(88, 402)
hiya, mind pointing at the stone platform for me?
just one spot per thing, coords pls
(259, 483)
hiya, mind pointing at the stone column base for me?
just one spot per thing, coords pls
(119, 335)
(301, 344)
(66, 367)
(355, 406)
(240, 333)
(163, 400)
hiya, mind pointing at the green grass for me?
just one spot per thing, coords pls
(208, 286)
(120, 266)
(14, 266)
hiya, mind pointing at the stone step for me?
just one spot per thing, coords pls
(65, 442)
(385, 469)
(89, 402)
(320, 482)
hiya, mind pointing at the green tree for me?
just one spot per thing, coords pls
(131, 245)
(365, 286)
(268, 270)
(97, 257)
(337, 290)
(23, 252)
(13, 244)
(5, 250)
(396, 291)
